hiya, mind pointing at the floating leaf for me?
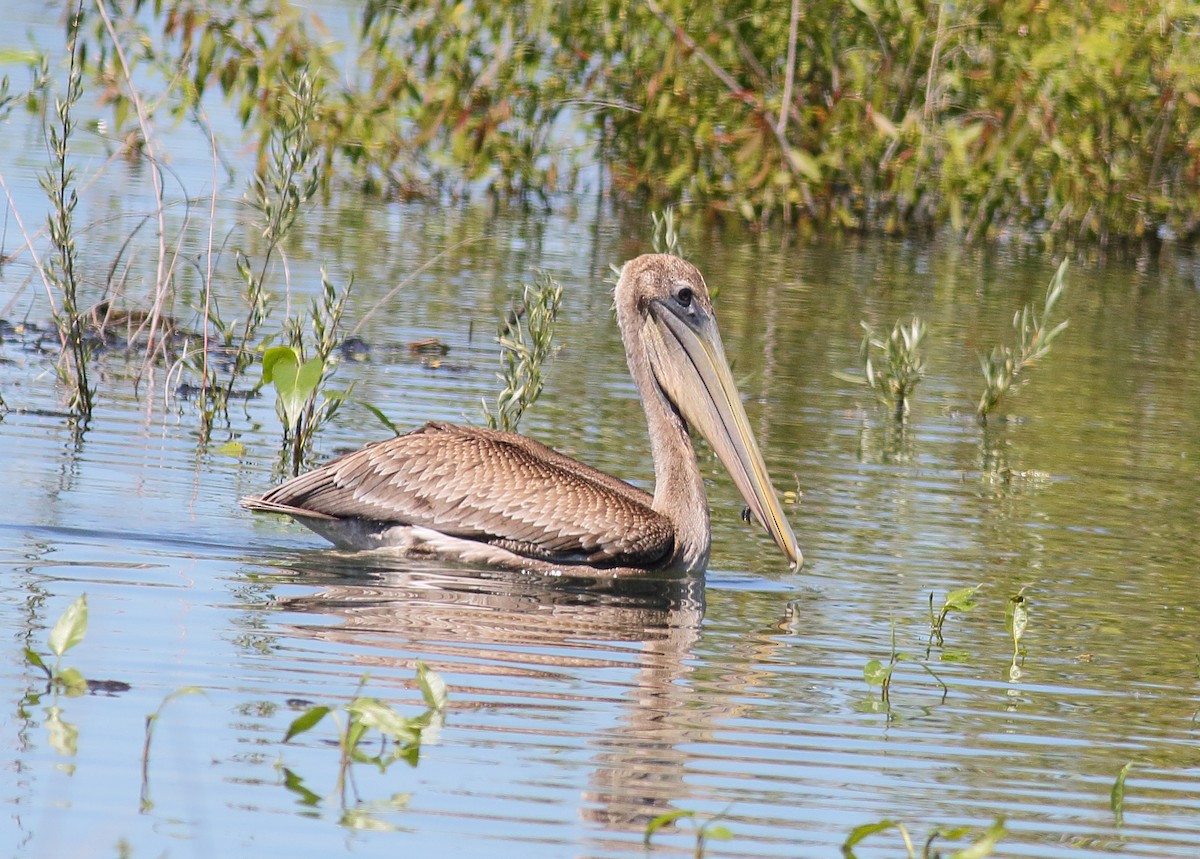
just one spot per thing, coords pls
(72, 682)
(236, 449)
(70, 628)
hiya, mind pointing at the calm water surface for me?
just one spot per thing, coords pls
(579, 712)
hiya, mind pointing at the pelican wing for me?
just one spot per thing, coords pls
(494, 487)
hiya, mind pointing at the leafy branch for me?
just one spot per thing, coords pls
(1003, 367)
(525, 347)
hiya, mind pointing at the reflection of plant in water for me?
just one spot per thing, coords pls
(400, 736)
(981, 847)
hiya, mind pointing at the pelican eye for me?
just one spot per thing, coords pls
(685, 296)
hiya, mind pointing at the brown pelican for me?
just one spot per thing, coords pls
(500, 499)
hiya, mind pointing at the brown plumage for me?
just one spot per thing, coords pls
(497, 498)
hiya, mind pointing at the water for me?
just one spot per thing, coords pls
(579, 712)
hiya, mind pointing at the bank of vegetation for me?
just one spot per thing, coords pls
(1077, 121)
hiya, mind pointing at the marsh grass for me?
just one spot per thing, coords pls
(526, 343)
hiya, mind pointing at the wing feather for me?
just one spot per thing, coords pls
(485, 485)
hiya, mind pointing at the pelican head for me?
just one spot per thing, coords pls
(675, 351)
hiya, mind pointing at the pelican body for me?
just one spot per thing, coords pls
(500, 499)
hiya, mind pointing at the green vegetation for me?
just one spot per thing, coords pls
(526, 342)
(876, 673)
(1116, 797)
(983, 845)
(961, 600)
(68, 631)
(299, 383)
(1003, 367)
(151, 721)
(900, 367)
(59, 269)
(1016, 620)
(708, 828)
(1080, 122)
(363, 715)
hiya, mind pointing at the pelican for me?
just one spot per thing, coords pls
(500, 499)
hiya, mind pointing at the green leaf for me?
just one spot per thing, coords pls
(295, 784)
(1116, 798)
(273, 357)
(70, 628)
(306, 721)
(72, 682)
(718, 832)
(1016, 616)
(236, 449)
(379, 415)
(875, 672)
(294, 382)
(860, 832)
(433, 687)
(33, 659)
(985, 845)
(664, 820)
(961, 599)
(373, 713)
(805, 164)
